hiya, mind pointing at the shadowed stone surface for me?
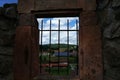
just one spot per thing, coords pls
(109, 18)
(8, 22)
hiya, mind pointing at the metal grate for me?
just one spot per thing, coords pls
(58, 55)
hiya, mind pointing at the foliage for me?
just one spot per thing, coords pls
(47, 47)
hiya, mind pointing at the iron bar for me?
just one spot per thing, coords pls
(77, 28)
(67, 46)
(58, 46)
(60, 30)
(41, 46)
(50, 47)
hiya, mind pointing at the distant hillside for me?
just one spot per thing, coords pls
(56, 46)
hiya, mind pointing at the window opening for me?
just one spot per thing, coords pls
(58, 45)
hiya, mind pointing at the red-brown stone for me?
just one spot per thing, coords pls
(90, 53)
(90, 43)
(26, 65)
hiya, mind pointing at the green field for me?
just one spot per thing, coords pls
(51, 59)
(62, 71)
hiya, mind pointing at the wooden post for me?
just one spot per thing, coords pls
(26, 62)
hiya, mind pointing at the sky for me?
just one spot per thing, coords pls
(54, 26)
(2, 2)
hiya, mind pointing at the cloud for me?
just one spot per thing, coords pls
(54, 34)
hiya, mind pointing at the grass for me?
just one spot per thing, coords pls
(62, 71)
(45, 59)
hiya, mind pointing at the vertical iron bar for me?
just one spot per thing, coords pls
(58, 46)
(68, 46)
(50, 48)
(41, 46)
(77, 36)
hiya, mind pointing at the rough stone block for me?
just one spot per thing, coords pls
(25, 6)
(88, 18)
(90, 44)
(1, 11)
(56, 4)
(116, 3)
(89, 5)
(28, 19)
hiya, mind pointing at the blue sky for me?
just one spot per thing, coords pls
(63, 26)
(2, 2)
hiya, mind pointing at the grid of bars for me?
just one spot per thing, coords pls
(47, 66)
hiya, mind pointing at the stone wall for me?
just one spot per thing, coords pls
(8, 23)
(109, 18)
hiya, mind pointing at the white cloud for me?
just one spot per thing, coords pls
(54, 26)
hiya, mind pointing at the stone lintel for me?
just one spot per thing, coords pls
(26, 6)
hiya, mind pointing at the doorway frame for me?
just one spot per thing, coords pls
(62, 13)
(90, 63)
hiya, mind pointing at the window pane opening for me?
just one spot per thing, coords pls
(58, 45)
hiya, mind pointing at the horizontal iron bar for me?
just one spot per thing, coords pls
(58, 30)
